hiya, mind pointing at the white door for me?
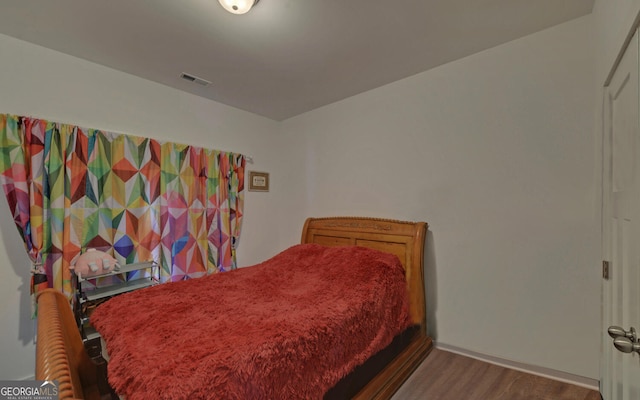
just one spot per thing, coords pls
(621, 231)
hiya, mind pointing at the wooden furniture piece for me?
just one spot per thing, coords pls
(406, 240)
(60, 352)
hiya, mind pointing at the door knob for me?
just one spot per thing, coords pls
(617, 332)
(625, 345)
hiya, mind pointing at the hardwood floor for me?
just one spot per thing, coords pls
(448, 376)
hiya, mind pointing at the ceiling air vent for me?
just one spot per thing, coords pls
(195, 79)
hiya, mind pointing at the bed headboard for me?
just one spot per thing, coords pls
(404, 239)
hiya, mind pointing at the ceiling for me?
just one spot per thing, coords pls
(284, 57)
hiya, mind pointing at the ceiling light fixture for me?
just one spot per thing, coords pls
(238, 6)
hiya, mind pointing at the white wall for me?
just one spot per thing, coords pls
(494, 151)
(43, 83)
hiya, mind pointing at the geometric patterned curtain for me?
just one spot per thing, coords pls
(139, 199)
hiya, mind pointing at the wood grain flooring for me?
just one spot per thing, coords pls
(448, 376)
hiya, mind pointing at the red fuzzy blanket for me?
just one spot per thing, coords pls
(290, 327)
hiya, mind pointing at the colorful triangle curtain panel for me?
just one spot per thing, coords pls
(139, 199)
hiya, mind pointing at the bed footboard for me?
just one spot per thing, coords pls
(60, 353)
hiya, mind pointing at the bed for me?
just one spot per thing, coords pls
(398, 247)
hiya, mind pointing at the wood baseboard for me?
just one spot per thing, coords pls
(577, 380)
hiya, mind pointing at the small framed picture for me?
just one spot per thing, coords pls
(258, 181)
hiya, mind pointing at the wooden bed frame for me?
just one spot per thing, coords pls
(60, 353)
(406, 240)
